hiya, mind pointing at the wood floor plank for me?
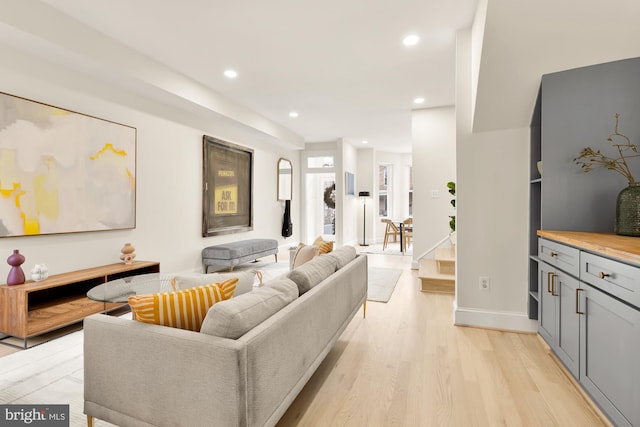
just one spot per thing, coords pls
(406, 364)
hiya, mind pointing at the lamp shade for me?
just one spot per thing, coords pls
(364, 194)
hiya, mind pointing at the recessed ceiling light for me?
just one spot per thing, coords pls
(365, 142)
(410, 40)
(230, 74)
(418, 101)
(293, 114)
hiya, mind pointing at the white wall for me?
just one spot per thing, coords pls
(366, 181)
(169, 174)
(492, 215)
(434, 164)
(350, 203)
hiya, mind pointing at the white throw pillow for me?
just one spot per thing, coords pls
(245, 283)
(304, 254)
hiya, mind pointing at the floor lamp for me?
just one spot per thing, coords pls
(364, 195)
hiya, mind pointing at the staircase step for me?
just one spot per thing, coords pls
(446, 259)
(434, 281)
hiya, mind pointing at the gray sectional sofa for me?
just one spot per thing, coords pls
(139, 374)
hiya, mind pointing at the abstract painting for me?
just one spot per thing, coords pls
(62, 171)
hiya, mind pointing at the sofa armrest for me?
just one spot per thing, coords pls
(142, 374)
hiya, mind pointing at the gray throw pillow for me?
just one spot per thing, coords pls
(313, 272)
(241, 314)
(343, 256)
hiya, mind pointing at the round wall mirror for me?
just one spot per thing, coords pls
(285, 179)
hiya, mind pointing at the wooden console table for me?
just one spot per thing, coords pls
(35, 308)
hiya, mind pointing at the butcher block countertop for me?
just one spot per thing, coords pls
(611, 245)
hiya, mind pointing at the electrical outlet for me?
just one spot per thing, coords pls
(484, 283)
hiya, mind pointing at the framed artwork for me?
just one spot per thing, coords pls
(227, 187)
(349, 184)
(62, 171)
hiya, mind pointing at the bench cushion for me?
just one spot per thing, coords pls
(239, 249)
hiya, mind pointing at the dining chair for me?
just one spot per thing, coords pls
(391, 231)
(407, 232)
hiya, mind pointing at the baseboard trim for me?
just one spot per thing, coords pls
(502, 320)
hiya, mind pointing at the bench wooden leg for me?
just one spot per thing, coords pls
(89, 421)
(276, 255)
(364, 309)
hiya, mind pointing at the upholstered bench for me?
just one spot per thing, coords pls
(228, 255)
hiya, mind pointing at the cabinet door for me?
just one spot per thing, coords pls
(609, 351)
(547, 311)
(568, 335)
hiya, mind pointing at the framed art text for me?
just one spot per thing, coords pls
(227, 187)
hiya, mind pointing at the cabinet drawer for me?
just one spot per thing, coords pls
(616, 278)
(561, 256)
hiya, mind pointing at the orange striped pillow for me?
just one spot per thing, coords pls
(183, 309)
(324, 247)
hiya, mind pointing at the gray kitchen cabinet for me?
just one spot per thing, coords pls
(559, 323)
(547, 308)
(609, 350)
(591, 317)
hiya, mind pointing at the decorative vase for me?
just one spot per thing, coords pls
(16, 275)
(628, 211)
(128, 253)
(39, 272)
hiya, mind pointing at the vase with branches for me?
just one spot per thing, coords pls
(590, 159)
(628, 201)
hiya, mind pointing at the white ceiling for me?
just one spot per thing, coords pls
(339, 63)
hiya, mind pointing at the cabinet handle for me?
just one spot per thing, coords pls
(553, 284)
(578, 301)
(553, 253)
(549, 279)
(603, 275)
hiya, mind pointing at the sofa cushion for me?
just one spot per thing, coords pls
(246, 280)
(304, 253)
(184, 309)
(235, 317)
(343, 256)
(313, 272)
(324, 246)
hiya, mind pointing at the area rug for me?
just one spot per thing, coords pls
(382, 282)
(391, 249)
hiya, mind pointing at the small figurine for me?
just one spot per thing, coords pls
(39, 272)
(128, 253)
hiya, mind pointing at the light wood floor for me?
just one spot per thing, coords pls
(407, 365)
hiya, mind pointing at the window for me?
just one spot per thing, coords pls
(320, 162)
(384, 185)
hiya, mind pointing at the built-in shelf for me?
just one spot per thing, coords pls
(536, 181)
(535, 296)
